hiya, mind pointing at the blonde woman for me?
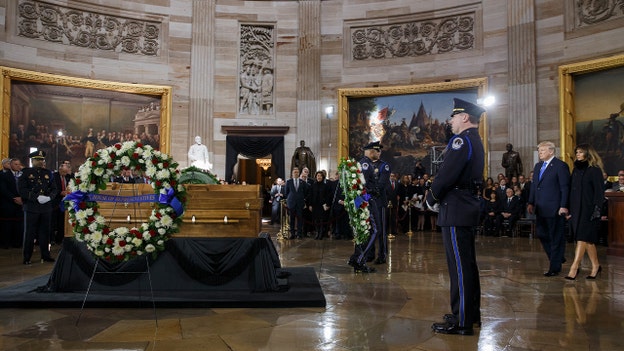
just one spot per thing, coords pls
(586, 199)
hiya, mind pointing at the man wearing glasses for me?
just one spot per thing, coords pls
(619, 186)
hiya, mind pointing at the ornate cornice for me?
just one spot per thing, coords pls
(88, 29)
(590, 12)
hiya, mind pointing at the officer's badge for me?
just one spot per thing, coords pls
(457, 143)
(30, 176)
(387, 168)
(47, 177)
(365, 166)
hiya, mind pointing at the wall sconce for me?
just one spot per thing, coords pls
(265, 163)
(329, 111)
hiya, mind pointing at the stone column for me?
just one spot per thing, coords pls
(308, 75)
(522, 80)
(202, 75)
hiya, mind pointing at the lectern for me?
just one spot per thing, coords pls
(616, 223)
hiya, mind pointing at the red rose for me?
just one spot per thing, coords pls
(158, 183)
(112, 155)
(173, 183)
(158, 215)
(166, 164)
(78, 181)
(364, 204)
(354, 187)
(106, 230)
(82, 205)
(117, 146)
(95, 155)
(139, 145)
(90, 219)
(122, 243)
(135, 155)
(85, 230)
(93, 163)
(110, 165)
(109, 241)
(154, 161)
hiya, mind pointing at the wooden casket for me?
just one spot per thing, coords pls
(212, 210)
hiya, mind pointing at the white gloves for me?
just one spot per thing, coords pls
(43, 199)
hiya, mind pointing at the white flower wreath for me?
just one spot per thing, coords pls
(123, 244)
(352, 182)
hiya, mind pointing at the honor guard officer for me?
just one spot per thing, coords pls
(376, 174)
(456, 188)
(37, 188)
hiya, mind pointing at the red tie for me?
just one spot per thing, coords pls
(62, 183)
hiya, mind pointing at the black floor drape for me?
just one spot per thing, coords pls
(254, 147)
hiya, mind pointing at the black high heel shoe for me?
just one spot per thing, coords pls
(597, 273)
(578, 270)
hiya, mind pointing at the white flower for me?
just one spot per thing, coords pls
(96, 236)
(166, 221)
(93, 226)
(162, 174)
(121, 231)
(137, 242)
(99, 253)
(162, 231)
(125, 160)
(118, 250)
(147, 235)
(160, 242)
(150, 248)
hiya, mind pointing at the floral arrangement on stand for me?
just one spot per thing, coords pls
(122, 244)
(356, 199)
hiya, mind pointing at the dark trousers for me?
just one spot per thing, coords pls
(465, 292)
(366, 251)
(550, 232)
(275, 211)
(296, 218)
(37, 227)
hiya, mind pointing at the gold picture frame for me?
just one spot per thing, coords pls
(161, 95)
(442, 91)
(569, 99)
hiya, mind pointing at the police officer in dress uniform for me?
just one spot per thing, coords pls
(456, 188)
(376, 174)
(37, 188)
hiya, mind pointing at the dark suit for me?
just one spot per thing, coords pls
(512, 206)
(277, 194)
(58, 216)
(392, 193)
(548, 194)
(295, 200)
(11, 214)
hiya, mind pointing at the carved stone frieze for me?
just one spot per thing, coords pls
(71, 26)
(589, 12)
(413, 38)
(257, 50)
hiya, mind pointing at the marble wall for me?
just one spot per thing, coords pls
(517, 51)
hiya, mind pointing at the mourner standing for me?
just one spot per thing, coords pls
(457, 189)
(37, 188)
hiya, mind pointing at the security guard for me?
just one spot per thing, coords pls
(376, 174)
(456, 188)
(37, 188)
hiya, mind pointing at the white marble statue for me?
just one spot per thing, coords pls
(198, 155)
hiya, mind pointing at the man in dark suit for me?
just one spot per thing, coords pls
(393, 203)
(296, 193)
(61, 179)
(548, 199)
(125, 177)
(37, 190)
(511, 209)
(11, 212)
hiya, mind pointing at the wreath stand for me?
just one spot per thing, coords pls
(149, 278)
(147, 269)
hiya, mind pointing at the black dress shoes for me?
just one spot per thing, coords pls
(451, 328)
(362, 268)
(47, 259)
(26, 262)
(380, 261)
(551, 274)
(450, 318)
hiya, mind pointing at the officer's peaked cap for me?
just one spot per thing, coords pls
(39, 154)
(375, 145)
(460, 106)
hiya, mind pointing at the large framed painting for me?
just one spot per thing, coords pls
(591, 96)
(69, 118)
(409, 121)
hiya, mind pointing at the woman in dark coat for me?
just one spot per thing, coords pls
(586, 199)
(319, 204)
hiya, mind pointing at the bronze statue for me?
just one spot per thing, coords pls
(303, 157)
(511, 162)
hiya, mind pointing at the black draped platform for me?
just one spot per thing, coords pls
(191, 272)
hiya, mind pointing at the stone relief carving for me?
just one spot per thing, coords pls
(256, 64)
(69, 26)
(414, 38)
(591, 11)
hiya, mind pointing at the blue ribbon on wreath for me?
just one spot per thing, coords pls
(170, 199)
(358, 201)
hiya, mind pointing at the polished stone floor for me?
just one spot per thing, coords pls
(391, 309)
